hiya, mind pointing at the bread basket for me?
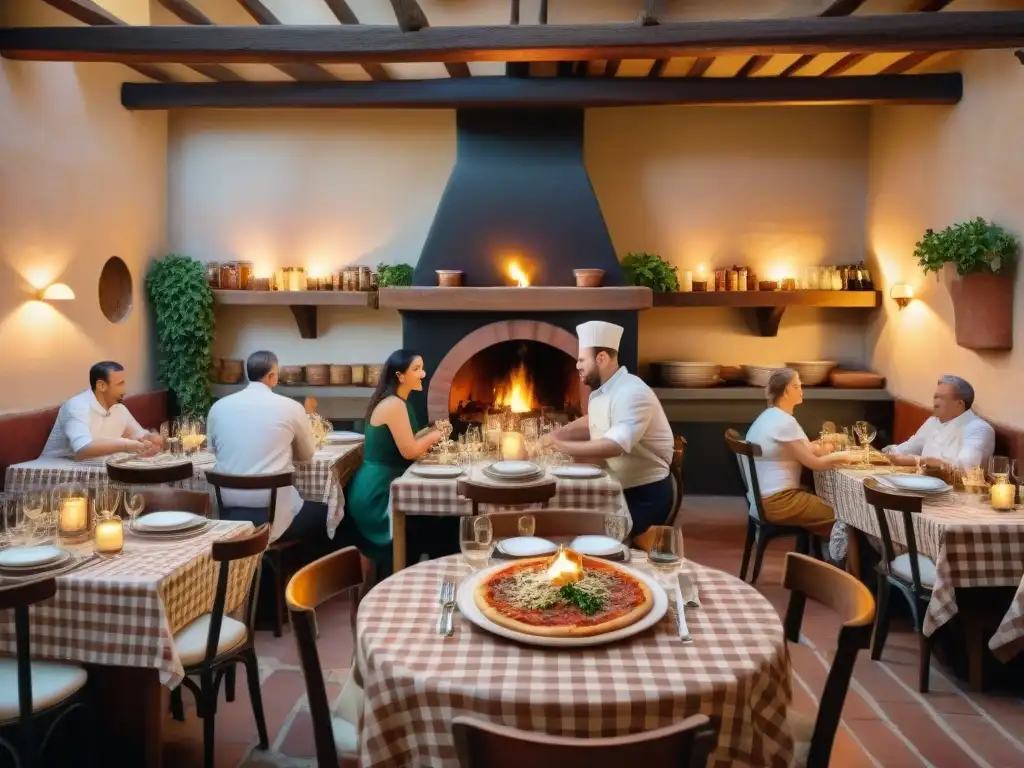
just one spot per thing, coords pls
(689, 375)
(813, 373)
(758, 375)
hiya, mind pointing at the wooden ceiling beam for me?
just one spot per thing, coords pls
(545, 92)
(516, 68)
(188, 13)
(301, 71)
(346, 16)
(835, 9)
(411, 18)
(974, 30)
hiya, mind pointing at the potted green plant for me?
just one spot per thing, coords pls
(182, 304)
(983, 255)
(394, 275)
(652, 271)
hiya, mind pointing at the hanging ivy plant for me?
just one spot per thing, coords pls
(182, 302)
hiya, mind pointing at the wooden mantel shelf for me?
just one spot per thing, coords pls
(303, 304)
(510, 299)
(770, 306)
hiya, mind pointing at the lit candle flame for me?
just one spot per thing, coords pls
(700, 271)
(566, 567)
(517, 274)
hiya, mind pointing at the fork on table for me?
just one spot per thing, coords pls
(446, 599)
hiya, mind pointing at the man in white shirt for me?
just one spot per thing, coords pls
(255, 432)
(954, 437)
(95, 423)
(625, 427)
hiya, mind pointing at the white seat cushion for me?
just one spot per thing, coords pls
(350, 703)
(801, 725)
(925, 568)
(346, 740)
(191, 641)
(52, 683)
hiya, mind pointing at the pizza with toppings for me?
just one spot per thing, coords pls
(565, 595)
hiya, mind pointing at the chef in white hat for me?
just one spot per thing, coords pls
(625, 427)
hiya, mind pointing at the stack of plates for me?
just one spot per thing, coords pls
(526, 546)
(344, 438)
(918, 485)
(24, 561)
(436, 471)
(170, 525)
(577, 471)
(511, 471)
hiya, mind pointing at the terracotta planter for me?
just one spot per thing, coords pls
(983, 310)
(588, 278)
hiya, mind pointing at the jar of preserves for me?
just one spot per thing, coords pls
(213, 274)
(364, 279)
(230, 277)
(350, 279)
(245, 275)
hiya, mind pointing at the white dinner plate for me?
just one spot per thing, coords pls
(168, 521)
(469, 610)
(596, 546)
(31, 557)
(344, 438)
(918, 483)
(527, 546)
(514, 468)
(577, 471)
(436, 470)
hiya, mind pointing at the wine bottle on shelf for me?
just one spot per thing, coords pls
(855, 279)
(866, 284)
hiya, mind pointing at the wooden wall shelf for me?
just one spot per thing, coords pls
(303, 304)
(770, 306)
(509, 299)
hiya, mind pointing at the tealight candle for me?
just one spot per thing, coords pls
(74, 514)
(1003, 496)
(109, 536)
(686, 281)
(513, 447)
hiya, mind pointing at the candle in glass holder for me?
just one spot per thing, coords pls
(1003, 495)
(192, 442)
(513, 447)
(686, 281)
(74, 514)
(109, 536)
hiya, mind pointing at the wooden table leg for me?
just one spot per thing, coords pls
(133, 705)
(974, 632)
(397, 540)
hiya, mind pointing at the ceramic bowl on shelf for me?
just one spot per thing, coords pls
(813, 373)
(758, 375)
(689, 375)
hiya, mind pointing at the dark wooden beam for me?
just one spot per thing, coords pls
(907, 63)
(550, 92)
(345, 15)
(835, 9)
(299, 71)
(650, 16)
(411, 18)
(188, 13)
(700, 66)
(975, 30)
(516, 68)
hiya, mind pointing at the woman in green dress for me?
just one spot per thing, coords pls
(393, 442)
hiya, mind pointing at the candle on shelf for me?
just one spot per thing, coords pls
(1003, 495)
(109, 536)
(513, 447)
(74, 515)
(686, 281)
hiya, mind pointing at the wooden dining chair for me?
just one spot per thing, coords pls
(911, 573)
(759, 530)
(176, 500)
(307, 590)
(274, 553)
(676, 472)
(548, 522)
(37, 696)
(507, 496)
(156, 475)
(805, 578)
(480, 744)
(212, 644)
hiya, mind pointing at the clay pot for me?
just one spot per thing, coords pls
(449, 278)
(341, 375)
(983, 310)
(588, 278)
(318, 375)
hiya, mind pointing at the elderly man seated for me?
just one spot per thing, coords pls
(954, 437)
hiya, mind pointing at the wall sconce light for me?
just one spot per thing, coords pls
(57, 292)
(901, 293)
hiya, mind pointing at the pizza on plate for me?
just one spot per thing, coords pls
(565, 595)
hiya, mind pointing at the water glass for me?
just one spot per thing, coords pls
(999, 469)
(615, 527)
(666, 551)
(527, 525)
(476, 540)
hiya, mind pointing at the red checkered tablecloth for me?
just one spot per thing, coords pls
(971, 544)
(736, 671)
(124, 611)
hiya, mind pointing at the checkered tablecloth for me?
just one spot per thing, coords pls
(971, 544)
(415, 495)
(1008, 639)
(124, 611)
(315, 479)
(736, 671)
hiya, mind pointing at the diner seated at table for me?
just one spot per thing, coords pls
(955, 436)
(256, 431)
(96, 423)
(394, 440)
(785, 450)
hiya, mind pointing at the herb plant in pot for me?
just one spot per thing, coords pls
(983, 255)
(652, 271)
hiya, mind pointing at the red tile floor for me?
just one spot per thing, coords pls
(886, 722)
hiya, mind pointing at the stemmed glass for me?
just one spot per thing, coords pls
(527, 525)
(1015, 475)
(865, 433)
(134, 504)
(999, 469)
(35, 513)
(476, 540)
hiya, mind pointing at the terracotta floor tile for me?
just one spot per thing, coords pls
(930, 737)
(298, 742)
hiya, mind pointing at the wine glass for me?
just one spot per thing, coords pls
(999, 469)
(134, 504)
(527, 525)
(1015, 474)
(865, 433)
(476, 540)
(666, 550)
(108, 499)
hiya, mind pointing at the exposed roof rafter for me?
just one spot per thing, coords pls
(345, 15)
(300, 71)
(835, 9)
(411, 18)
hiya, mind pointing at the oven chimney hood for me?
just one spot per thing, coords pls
(519, 192)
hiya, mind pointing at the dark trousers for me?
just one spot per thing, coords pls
(649, 504)
(309, 527)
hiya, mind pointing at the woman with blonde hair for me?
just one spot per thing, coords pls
(785, 450)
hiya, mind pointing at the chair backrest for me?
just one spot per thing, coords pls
(156, 475)
(746, 452)
(177, 500)
(548, 522)
(676, 471)
(19, 598)
(311, 586)
(269, 482)
(511, 495)
(880, 500)
(805, 578)
(225, 553)
(480, 744)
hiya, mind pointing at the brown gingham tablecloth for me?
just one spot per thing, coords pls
(1008, 639)
(971, 544)
(736, 671)
(124, 611)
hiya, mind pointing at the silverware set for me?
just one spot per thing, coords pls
(446, 599)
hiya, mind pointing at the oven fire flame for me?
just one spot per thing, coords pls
(517, 274)
(565, 568)
(516, 391)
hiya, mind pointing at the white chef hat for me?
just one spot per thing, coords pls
(597, 333)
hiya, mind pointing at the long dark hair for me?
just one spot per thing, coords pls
(398, 362)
